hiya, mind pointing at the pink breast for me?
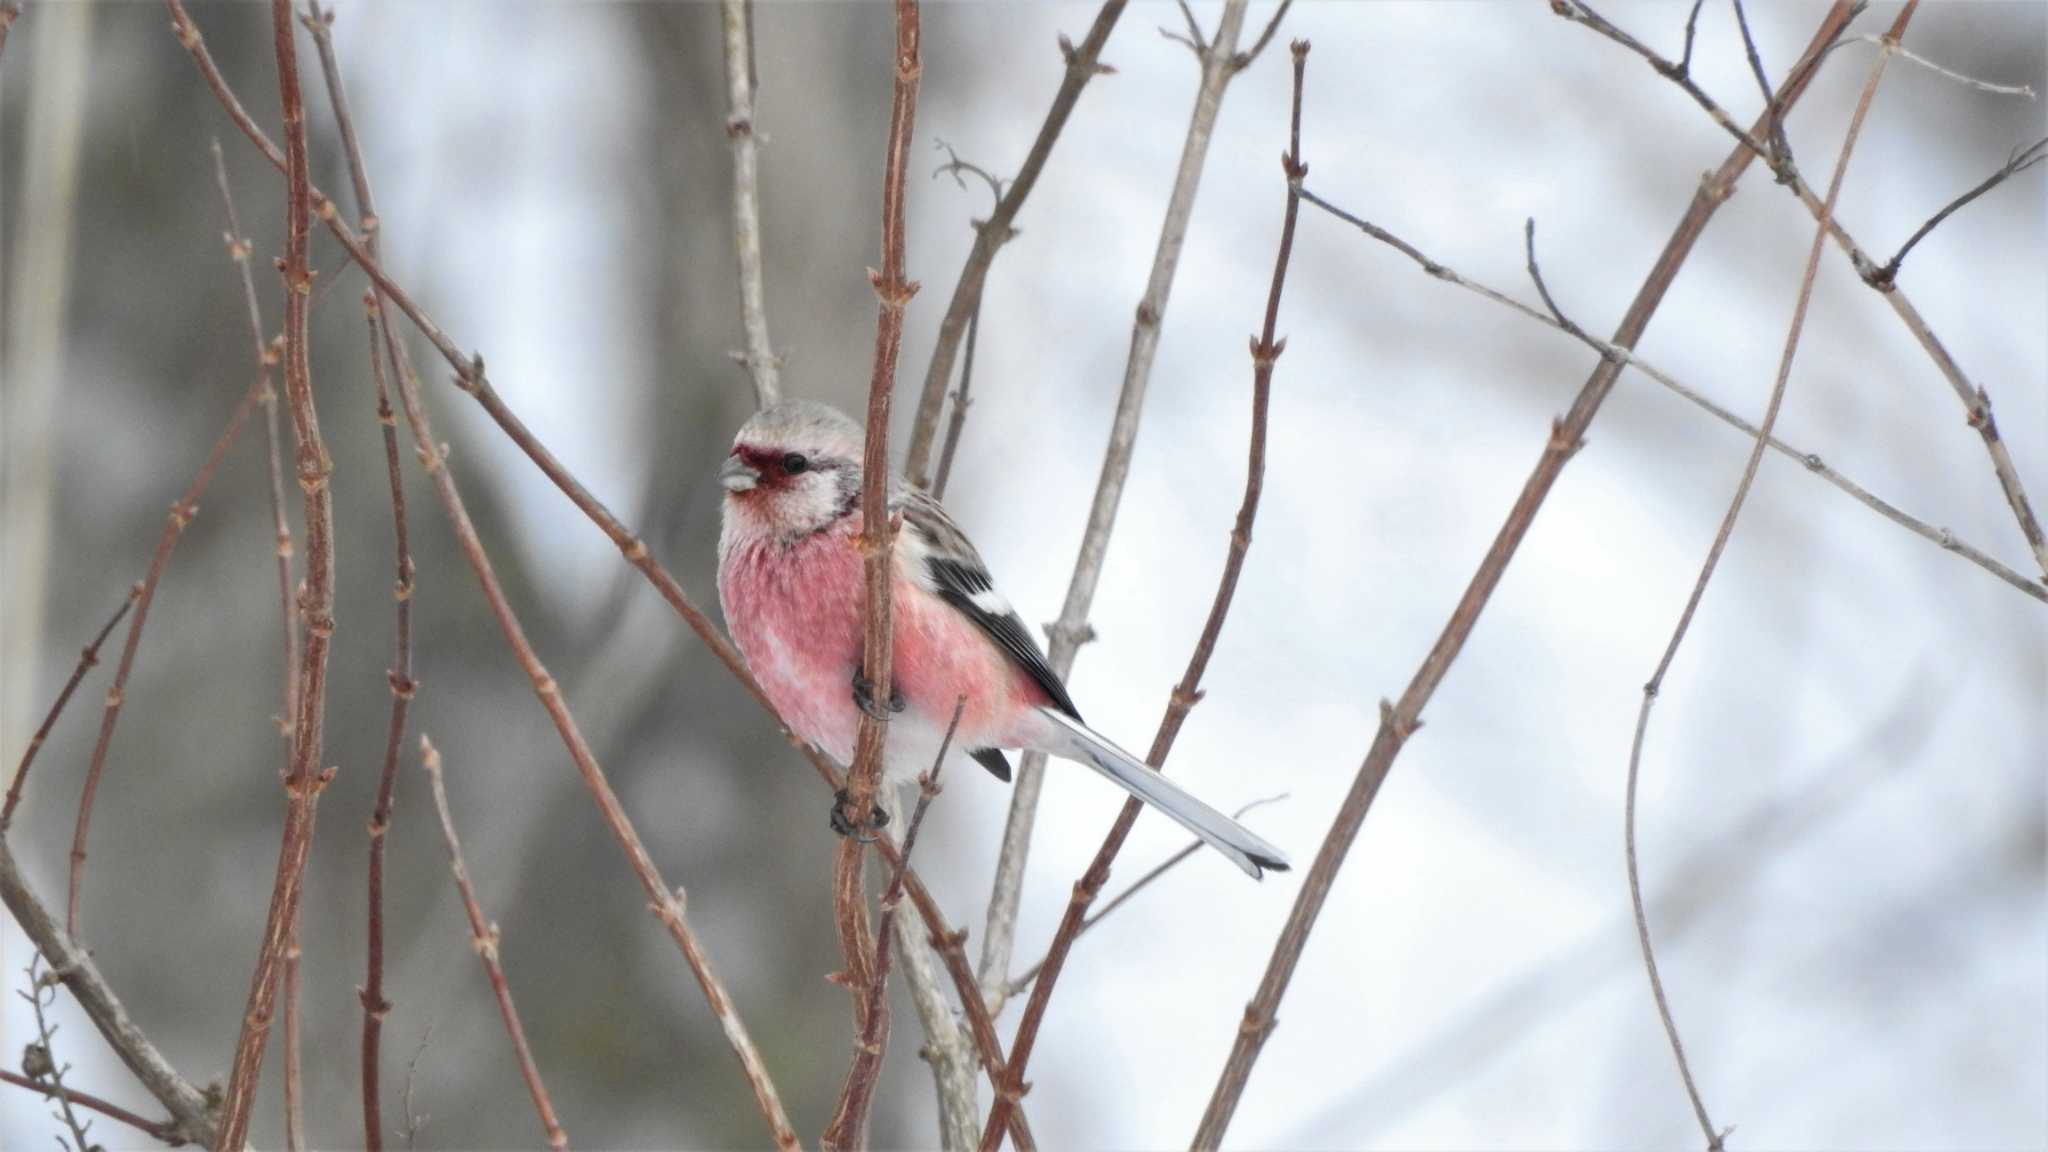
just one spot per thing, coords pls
(795, 614)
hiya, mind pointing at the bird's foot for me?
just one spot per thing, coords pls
(864, 698)
(844, 824)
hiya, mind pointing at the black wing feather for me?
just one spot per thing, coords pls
(958, 575)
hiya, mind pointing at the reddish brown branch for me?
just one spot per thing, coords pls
(182, 511)
(878, 545)
(483, 937)
(87, 659)
(1399, 720)
(1218, 61)
(164, 1130)
(316, 606)
(850, 1117)
(470, 377)
(1083, 64)
(375, 1006)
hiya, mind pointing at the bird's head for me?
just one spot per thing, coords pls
(794, 469)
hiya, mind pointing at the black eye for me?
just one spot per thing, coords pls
(795, 462)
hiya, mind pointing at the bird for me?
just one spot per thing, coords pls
(792, 583)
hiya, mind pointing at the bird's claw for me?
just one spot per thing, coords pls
(844, 824)
(864, 698)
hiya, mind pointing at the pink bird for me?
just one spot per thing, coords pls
(790, 579)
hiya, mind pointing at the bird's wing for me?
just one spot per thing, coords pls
(935, 553)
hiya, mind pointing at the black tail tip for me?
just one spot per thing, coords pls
(1271, 863)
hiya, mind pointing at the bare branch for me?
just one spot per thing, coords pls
(1399, 720)
(1721, 537)
(1967, 81)
(1243, 60)
(164, 1130)
(2020, 160)
(1265, 350)
(1023, 981)
(736, 23)
(73, 964)
(1082, 65)
(850, 1115)
(183, 510)
(483, 938)
(40, 1058)
(307, 777)
(1071, 630)
(1942, 537)
(87, 659)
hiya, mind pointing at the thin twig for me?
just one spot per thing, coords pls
(1781, 148)
(41, 1055)
(469, 375)
(483, 938)
(1942, 537)
(1023, 981)
(87, 659)
(893, 290)
(736, 23)
(239, 248)
(164, 1130)
(1072, 630)
(2020, 160)
(2025, 90)
(72, 962)
(375, 1006)
(1579, 12)
(183, 510)
(1399, 720)
(239, 251)
(384, 345)
(1692, 23)
(1243, 60)
(1699, 589)
(849, 1116)
(316, 606)
(1976, 400)
(1083, 63)
(1266, 348)
(956, 421)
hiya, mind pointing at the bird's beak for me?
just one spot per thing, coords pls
(738, 475)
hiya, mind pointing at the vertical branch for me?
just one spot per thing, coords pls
(1400, 719)
(266, 357)
(483, 938)
(375, 1006)
(850, 1116)
(1218, 68)
(878, 544)
(384, 345)
(736, 22)
(1721, 537)
(1265, 350)
(1083, 64)
(307, 777)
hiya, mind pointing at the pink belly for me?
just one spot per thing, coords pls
(795, 613)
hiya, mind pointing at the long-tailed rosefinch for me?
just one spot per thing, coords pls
(790, 578)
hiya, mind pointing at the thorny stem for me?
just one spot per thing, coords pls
(1399, 720)
(483, 938)
(1266, 347)
(1071, 631)
(1721, 537)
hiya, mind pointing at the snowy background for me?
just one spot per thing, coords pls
(1842, 818)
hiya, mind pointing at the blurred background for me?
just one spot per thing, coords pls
(1842, 823)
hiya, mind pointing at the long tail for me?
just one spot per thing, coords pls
(1073, 740)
